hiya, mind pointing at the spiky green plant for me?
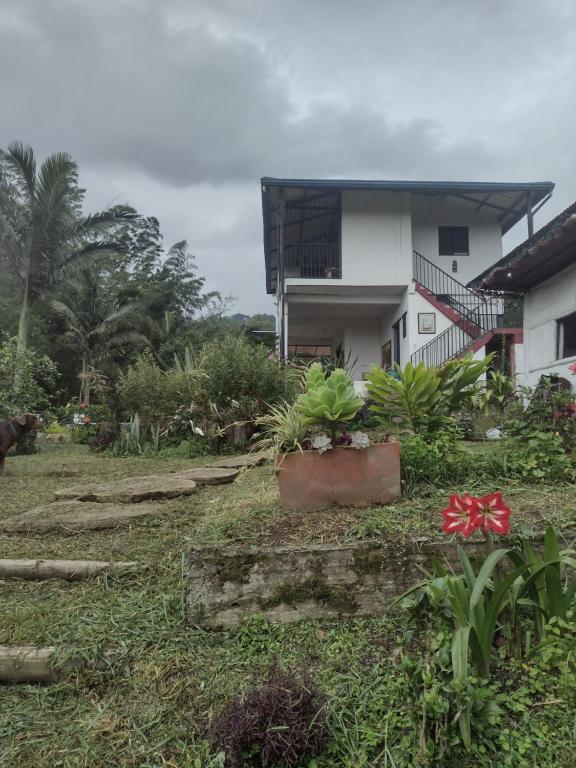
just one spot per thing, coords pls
(330, 401)
(282, 429)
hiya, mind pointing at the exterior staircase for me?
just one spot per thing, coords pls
(473, 315)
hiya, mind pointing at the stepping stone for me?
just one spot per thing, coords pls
(245, 460)
(210, 475)
(77, 516)
(131, 490)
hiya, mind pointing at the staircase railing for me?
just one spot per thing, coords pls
(478, 314)
(458, 338)
(444, 287)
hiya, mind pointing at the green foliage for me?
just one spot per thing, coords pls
(153, 393)
(549, 408)
(436, 462)
(235, 369)
(423, 400)
(37, 381)
(131, 442)
(328, 401)
(538, 456)
(282, 428)
(546, 587)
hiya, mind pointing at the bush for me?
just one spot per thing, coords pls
(38, 380)
(279, 723)
(234, 369)
(423, 400)
(153, 393)
(538, 456)
(438, 462)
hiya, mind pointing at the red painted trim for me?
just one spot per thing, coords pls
(469, 328)
(517, 335)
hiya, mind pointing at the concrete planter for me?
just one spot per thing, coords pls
(347, 477)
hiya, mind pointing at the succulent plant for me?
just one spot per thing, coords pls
(321, 443)
(360, 440)
(328, 401)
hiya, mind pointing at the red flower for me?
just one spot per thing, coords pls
(86, 419)
(461, 514)
(492, 514)
(572, 367)
(83, 405)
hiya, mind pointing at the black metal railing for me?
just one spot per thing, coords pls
(478, 314)
(319, 261)
(442, 285)
(461, 336)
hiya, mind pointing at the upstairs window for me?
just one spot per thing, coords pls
(453, 241)
(567, 336)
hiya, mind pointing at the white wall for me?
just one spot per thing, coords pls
(362, 341)
(376, 238)
(543, 306)
(428, 213)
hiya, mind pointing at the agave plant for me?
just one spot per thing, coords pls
(328, 402)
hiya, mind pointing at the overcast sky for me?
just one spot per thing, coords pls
(178, 107)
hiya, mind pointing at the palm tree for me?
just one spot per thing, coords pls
(101, 327)
(41, 227)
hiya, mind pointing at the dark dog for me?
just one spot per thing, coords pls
(11, 432)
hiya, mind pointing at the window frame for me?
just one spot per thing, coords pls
(561, 340)
(445, 229)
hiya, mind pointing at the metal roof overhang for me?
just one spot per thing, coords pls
(531, 263)
(510, 200)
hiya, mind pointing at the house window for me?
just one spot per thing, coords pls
(567, 336)
(453, 241)
(404, 325)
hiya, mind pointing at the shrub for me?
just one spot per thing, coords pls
(153, 393)
(234, 369)
(424, 400)
(537, 456)
(279, 723)
(37, 382)
(437, 462)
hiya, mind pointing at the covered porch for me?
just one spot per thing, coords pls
(354, 328)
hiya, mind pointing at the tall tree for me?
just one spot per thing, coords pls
(100, 326)
(42, 230)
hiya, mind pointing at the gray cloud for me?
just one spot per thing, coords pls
(180, 106)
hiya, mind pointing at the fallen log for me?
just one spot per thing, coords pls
(69, 570)
(31, 664)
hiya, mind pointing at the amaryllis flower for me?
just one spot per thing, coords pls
(572, 367)
(461, 514)
(492, 514)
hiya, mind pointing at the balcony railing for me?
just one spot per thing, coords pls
(313, 261)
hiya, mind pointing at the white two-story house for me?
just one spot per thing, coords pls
(376, 272)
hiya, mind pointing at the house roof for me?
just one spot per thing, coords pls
(508, 198)
(546, 253)
(509, 201)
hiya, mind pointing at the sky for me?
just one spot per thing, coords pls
(178, 107)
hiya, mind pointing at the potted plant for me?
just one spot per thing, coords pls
(319, 461)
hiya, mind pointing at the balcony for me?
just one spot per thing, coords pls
(313, 262)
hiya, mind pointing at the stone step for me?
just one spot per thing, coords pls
(132, 490)
(245, 460)
(77, 516)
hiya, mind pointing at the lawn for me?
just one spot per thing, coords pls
(153, 707)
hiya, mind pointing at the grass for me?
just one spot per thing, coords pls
(153, 707)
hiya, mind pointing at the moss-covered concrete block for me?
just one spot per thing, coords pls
(316, 581)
